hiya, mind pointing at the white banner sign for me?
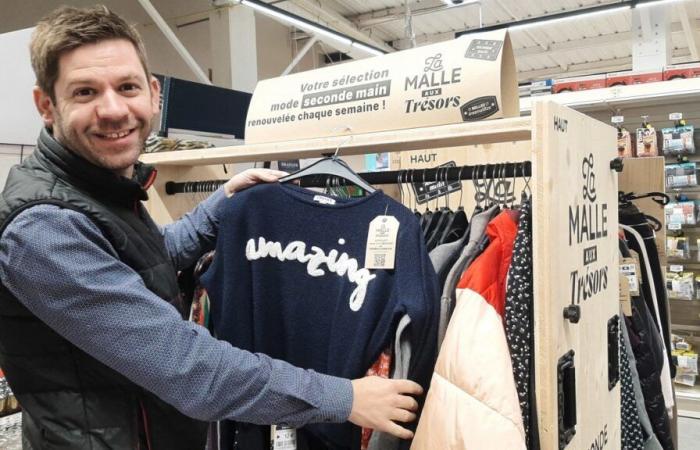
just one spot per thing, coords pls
(463, 80)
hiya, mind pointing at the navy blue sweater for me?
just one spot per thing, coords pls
(288, 280)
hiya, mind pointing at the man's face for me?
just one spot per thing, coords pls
(104, 104)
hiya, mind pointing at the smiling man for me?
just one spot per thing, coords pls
(92, 336)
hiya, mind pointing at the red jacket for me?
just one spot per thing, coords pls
(487, 274)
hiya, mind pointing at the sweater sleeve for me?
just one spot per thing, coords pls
(58, 264)
(195, 233)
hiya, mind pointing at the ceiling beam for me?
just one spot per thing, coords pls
(386, 15)
(609, 65)
(315, 12)
(691, 34)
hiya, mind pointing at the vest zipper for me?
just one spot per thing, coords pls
(145, 425)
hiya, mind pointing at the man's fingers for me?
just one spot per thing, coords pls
(397, 430)
(408, 387)
(406, 402)
(402, 415)
(269, 175)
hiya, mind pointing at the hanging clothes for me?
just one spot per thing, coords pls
(487, 275)
(478, 240)
(651, 442)
(631, 428)
(648, 351)
(649, 288)
(632, 217)
(473, 381)
(444, 256)
(519, 320)
(288, 280)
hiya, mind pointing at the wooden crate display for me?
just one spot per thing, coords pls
(575, 223)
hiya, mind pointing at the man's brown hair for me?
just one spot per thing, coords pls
(68, 28)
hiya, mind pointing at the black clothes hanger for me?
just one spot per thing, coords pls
(415, 199)
(427, 215)
(445, 217)
(477, 190)
(659, 197)
(436, 217)
(656, 225)
(458, 223)
(332, 166)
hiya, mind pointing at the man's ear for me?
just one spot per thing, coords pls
(44, 105)
(155, 95)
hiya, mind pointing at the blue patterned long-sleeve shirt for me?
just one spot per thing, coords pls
(59, 265)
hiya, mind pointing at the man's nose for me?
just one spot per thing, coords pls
(112, 106)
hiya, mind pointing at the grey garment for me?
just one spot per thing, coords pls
(477, 241)
(58, 264)
(402, 359)
(444, 256)
(651, 442)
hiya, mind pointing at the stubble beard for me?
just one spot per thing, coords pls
(70, 139)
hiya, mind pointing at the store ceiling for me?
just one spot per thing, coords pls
(592, 45)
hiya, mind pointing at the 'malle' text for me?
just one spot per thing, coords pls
(588, 222)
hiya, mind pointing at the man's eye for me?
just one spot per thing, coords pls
(84, 92)
(129, 87)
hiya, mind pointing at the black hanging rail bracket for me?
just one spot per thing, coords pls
(617, 165)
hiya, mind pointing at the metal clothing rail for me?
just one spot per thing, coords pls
(479, 172)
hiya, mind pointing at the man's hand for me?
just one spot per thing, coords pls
(378, 402)
(250, 177)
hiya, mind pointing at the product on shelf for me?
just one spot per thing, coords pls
(677, 247)
(624, 143)
(681, 285)
(697, 284)
(682, 213)
(686, 361)
(678, 140)
(681, 175)
(646, 140)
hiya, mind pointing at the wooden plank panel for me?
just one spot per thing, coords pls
(575, 215)
(642, 175)
(485, 132)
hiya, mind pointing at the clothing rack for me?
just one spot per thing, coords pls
(574, 238)
(441, 174)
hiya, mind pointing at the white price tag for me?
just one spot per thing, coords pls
(674, 226)
(625, 299)
(283, 438)
(675, 116)
(381, 243)
(628, 269)
(675, 268)
(617, 119)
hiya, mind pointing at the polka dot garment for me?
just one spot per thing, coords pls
(631, 433)
(518, 315)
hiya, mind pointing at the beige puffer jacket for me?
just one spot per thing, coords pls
(472, 403)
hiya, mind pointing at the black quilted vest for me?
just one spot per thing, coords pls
(69, 399)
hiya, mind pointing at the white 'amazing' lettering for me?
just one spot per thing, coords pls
(296, 251)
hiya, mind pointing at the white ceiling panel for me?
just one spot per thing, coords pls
(571, 44)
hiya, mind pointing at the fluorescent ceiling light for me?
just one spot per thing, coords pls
(655, 3)
(306, 26)
(367, 48)
(581, 15)
(458, 3)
